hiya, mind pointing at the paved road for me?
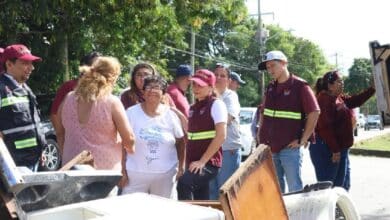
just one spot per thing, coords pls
(370, 181)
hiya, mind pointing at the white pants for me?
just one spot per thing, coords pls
(161, 184)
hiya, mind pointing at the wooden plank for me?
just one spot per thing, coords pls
(252, 192)
(207, 203)
(7, 206)
(85, 157)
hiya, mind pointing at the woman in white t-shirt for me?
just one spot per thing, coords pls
(160, 151)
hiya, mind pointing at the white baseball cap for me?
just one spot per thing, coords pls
(272, 55)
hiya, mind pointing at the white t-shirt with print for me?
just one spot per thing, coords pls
(155, 137)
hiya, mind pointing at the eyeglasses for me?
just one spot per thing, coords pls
(142, 74)
(153, 87)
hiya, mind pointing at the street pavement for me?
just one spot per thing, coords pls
(370, 180)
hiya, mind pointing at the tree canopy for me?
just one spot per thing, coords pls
(158, 31)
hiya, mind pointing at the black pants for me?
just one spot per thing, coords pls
(196, 186)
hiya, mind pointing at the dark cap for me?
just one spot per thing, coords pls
(19, 51)
(236, 77)
(183, 70)
(204, 77)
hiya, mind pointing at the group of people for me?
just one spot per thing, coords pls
(164, 146)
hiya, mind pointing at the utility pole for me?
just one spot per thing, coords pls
(261, 75)
(190, 94)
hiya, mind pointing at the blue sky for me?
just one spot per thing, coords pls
(342, 27)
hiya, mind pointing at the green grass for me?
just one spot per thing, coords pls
(377, 143)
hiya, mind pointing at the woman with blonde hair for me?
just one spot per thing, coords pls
(91, 117)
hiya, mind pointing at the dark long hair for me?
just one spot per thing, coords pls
(137, 67)
(322, 83)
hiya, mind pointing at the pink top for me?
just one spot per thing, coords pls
(98, 135)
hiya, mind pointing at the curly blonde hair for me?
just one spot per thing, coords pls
(99, 79)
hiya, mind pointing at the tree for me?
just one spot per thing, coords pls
(359, 76)
(305, 58)
(157, 31)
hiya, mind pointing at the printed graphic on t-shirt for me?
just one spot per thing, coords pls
(152, 137)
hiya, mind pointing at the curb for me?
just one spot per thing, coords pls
(365, 152)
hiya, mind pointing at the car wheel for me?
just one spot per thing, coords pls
(51, 154)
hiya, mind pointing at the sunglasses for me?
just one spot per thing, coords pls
(223, 65)
(333, 76)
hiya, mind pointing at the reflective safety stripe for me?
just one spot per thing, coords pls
(18, 129)
(201, 135)
(26, 143)
(282, 114)
(13, 100)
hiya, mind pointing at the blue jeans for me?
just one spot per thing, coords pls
(192, 186)
(288, 164)
(325, 169)
(230, 163)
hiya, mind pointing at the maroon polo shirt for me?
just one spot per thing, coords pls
(335, 125)
(179, 98)
(67, 87)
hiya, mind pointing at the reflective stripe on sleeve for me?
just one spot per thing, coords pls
(13, 100)
(26, 143)
(18, 129)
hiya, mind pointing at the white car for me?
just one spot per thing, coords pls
(247, 114)
(361, 120)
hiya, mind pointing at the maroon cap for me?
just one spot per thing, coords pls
(204, 77)
(19, 51)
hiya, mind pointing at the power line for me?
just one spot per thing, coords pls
(229, 45)
(213, 59)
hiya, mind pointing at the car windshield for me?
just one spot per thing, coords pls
(373, 117)
(246, 117)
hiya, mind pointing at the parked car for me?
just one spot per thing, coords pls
(373, 121)
(361, 120)
(247, 115)
(50, 152)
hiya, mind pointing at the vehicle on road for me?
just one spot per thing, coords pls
(361, 121)
(247, 114)
(50, 152)
(373, 121)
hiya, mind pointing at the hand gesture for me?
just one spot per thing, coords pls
(336, 157)
(196, 167)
